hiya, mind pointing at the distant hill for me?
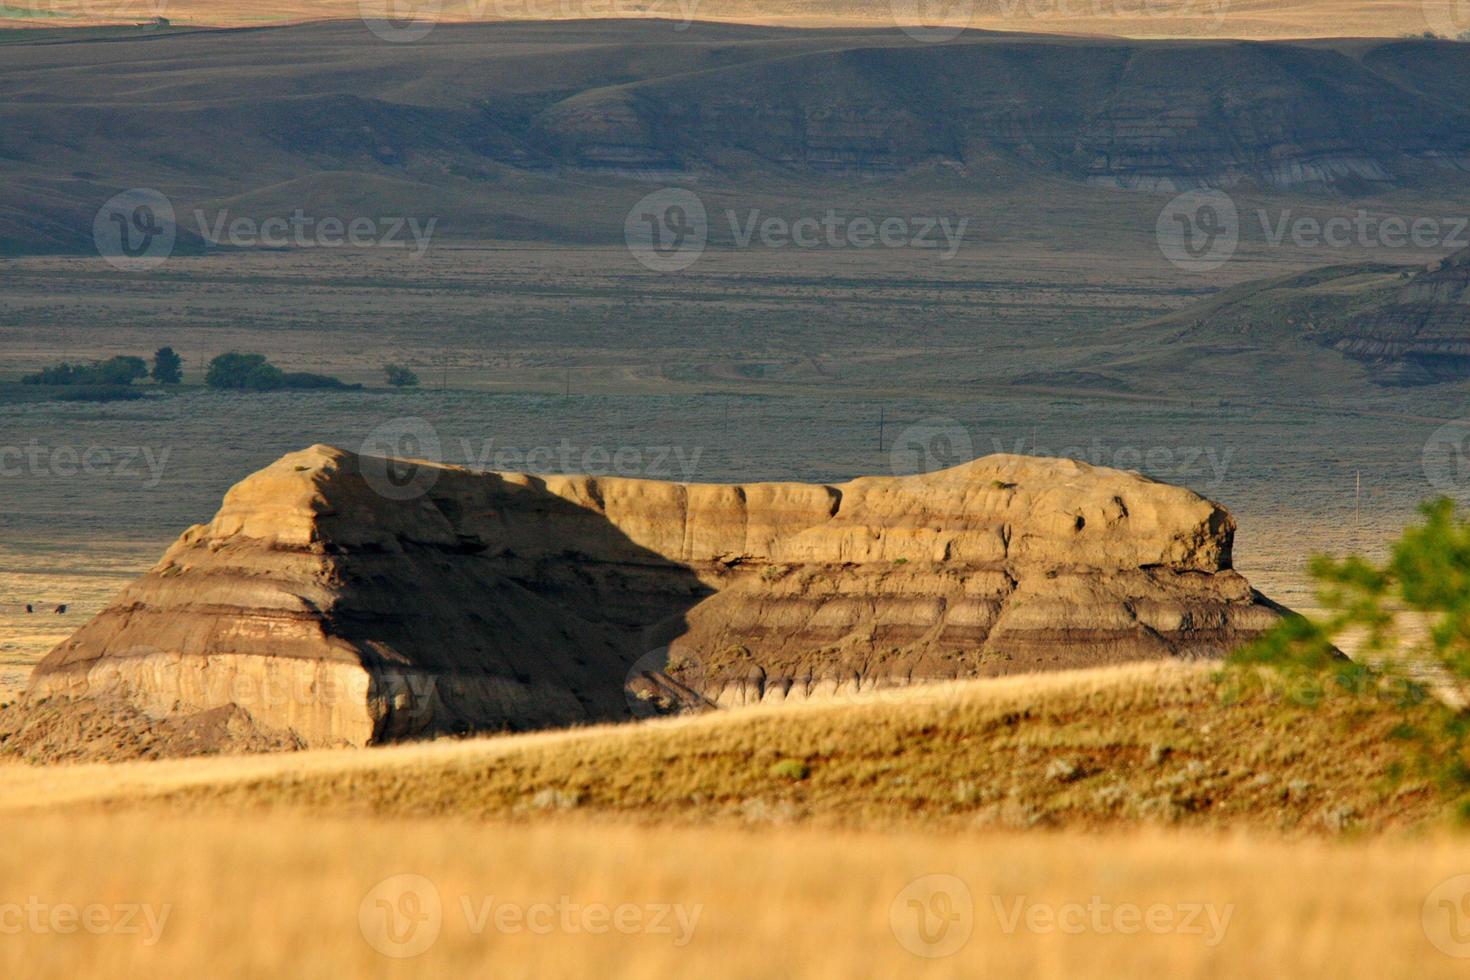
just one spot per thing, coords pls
(1156, 18)
(1408, 326)
(516, 130)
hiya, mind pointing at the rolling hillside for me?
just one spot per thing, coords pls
(535, 131)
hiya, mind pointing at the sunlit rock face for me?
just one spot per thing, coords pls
(345, 599)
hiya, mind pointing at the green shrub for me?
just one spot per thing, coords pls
(793, 769)
(1427, 577)
(400, 376)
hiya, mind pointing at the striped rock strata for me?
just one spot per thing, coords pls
(347, 600)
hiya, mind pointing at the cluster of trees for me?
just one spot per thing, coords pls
(253, 372)
(121, 370)
(233, 371)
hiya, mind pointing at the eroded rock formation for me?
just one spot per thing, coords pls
(1422, 335)
(342, 599)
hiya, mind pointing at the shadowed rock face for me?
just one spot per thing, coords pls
(345, 600)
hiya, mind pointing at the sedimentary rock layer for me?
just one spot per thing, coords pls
(346, 599)
(1423, 335)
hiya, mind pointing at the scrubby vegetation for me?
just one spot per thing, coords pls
(400, 376)
(1123, 747)
(235, 371)
(1413, 664)
(122, 370)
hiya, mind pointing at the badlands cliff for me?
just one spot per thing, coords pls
(1421, 335)
(340, 599)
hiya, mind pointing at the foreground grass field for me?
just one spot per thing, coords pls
(1148, 744)
(313, 897)
(1171, 831)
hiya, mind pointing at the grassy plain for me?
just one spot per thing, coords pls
(1264, 837)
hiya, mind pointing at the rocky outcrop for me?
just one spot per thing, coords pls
(1422, 335)
(341, 599)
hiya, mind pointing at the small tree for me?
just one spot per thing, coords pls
(1413, 613)
(400, 376)
(167, 366)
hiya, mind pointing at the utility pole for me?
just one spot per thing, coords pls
(1358, 507)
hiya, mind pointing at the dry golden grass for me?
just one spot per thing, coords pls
(283, 896)
(789, 839)
(1148, 744)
